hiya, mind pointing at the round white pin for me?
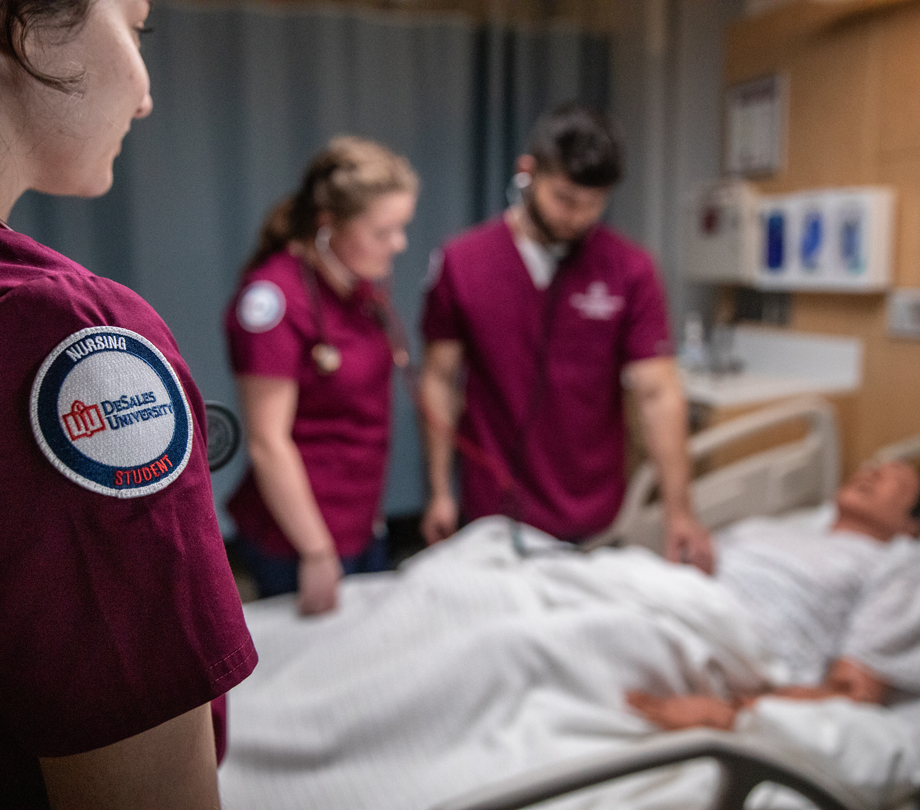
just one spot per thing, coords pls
(261, 306)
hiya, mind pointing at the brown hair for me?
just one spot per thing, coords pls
(342, 180)
(18, 18)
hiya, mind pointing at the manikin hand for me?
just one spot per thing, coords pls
(684, 711)
(846, 678)
(688, 541)
(318, 580)
(440, 519)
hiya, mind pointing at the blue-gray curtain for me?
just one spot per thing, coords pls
(244, 95)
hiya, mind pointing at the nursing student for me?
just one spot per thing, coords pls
(310, 335)
(533, 323)
(121, 621)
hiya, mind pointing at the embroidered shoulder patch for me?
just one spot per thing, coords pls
(109, 412)
(261, 306)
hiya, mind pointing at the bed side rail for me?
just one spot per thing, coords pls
(794, 474)
(744, 764)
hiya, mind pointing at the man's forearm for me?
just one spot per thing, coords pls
(440, 449)
(846, 678)
(663, 416)
(440, 401)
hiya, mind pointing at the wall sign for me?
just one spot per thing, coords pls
(756, 126)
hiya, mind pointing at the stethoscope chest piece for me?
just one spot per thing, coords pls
(326, 357)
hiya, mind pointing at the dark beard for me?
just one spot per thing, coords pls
(543, 228)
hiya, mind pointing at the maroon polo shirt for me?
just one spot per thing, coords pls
(342, 423)
(543, 387)
(118, 607)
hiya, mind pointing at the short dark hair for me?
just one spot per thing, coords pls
(18, 18)
(581, 142)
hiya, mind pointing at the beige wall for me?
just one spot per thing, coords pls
(854, 117)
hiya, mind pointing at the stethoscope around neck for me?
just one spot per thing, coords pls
(327, 358)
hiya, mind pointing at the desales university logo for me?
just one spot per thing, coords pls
(110, 414)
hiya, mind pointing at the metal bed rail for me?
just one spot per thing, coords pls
(744, 764)
(802, 472)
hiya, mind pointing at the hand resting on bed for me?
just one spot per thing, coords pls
(846, 678)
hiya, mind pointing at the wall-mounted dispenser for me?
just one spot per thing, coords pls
(721, 234)
(828, 239)
(836, 239)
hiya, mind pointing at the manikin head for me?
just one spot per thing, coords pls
(573, 161)
(881, 501)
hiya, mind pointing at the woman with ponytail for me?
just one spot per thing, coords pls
(308, 339)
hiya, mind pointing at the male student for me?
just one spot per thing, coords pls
(533, 324)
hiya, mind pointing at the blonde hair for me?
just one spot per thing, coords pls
(342, 181)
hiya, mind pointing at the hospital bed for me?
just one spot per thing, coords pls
(795, 474)
(798, 473)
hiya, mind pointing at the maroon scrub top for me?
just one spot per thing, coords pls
(119, 610)
(342, 423)
(543, 393)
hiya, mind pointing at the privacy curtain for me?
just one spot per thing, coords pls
(243, 95)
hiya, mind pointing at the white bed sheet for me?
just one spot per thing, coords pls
(473, 664)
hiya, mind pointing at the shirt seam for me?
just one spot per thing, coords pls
(233, 669)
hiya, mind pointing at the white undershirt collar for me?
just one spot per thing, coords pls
(541, 260)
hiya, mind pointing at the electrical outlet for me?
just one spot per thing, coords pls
(904, 314)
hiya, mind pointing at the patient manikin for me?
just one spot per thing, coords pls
(475, 662)
(833, 603)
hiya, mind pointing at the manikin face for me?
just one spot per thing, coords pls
(73, 137)
(562, 210)
(881, 496)
(367, 244)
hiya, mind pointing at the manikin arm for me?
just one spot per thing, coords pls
(663, 416)
(846, 678)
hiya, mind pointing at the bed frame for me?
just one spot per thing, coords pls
(743, 764)
(799, 473)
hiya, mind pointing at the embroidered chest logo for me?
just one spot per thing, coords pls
(109, 412)
(597, 303)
